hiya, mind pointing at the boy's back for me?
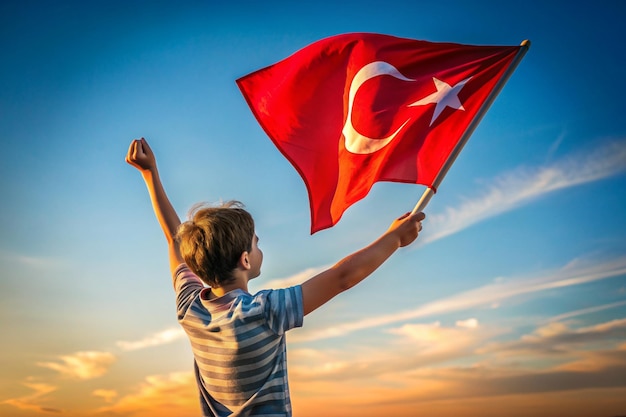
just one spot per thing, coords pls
(238, 342)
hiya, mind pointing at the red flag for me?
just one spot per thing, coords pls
(355, 109)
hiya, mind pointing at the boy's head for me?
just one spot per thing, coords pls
(213, 240)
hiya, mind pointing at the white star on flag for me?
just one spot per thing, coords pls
(445, 96)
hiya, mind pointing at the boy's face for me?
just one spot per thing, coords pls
(256, 258)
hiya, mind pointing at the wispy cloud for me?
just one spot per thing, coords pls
(159, 395)
(107, 395)
(82, 365)
(160, 338)
(295, 279)
(555, 145)
(558, 338)
(410, 346)
(589, 310)
(523, 185)
(34, 401)
(575, 273)
(36, 262)
(475, 382)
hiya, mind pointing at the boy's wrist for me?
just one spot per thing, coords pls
(149, 172)
(393, 239)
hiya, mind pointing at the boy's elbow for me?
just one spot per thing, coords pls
(170, 236)
(344, 283)
(352, 270)
(348, 277)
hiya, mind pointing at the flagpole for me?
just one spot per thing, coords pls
(430, 191)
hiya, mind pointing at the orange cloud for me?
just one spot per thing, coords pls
(418, 345)
(558, 338)
(467, 391)
(295, 279)
(35, 401)
(160, 338)
(421, 373)
(168, 395)
(82, 365)
(107, 395)
(433, 337)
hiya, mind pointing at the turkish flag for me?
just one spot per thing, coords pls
(354, 109)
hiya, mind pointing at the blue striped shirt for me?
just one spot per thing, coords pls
(238, 343)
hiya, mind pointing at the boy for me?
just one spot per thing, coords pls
(238, 339)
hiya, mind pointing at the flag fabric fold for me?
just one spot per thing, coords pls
(355, 109)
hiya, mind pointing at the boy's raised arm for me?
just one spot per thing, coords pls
(141, 157)
(354, 268)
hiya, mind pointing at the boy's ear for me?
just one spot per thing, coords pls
(244, 260)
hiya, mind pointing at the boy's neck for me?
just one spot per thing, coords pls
(239, 282)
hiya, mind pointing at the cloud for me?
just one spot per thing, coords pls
(590, 349)
(431, 363)
(160, 395)
(523, 185)
(38, 262)
(295, 279)
(107, 395)
(82, 365)
(414, 346)
(160, 338)
(575, 273)
(429, 338)
(607, 371)
(430, 344)
(469, 323)
(558, 338)
(556, 144)
(33, 401)
(587, 311)
(472, 382)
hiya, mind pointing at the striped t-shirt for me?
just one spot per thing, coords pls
(238, 343)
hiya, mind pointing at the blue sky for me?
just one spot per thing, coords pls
(520, 271)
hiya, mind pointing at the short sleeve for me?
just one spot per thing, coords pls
(284, 309)
(187, 286)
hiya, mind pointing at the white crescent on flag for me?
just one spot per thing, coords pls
(356, 142)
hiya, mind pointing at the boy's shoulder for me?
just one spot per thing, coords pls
(281, 309)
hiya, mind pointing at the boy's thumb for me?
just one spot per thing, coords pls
(419, 216)
(404, 216)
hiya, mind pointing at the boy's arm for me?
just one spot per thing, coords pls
(354, 268)
(141, 157)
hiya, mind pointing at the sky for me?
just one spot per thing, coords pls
(511, 302)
